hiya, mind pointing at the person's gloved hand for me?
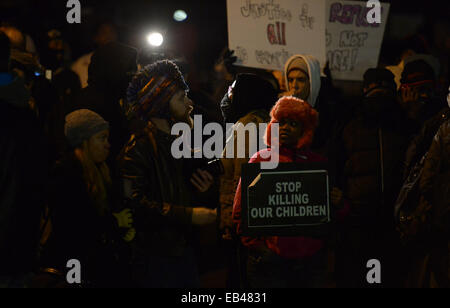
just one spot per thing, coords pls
(337, 197)
(131, 234)
(124, 218)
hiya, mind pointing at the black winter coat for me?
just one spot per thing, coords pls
(23, 173)
(156, 190)
(79, 231)
(368, 160)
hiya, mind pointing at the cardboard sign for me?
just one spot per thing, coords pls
(353, 45)
(291, 200)
(266, 33)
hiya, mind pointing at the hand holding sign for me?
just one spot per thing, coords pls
(337, 196)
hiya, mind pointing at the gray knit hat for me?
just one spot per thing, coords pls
(83, 124)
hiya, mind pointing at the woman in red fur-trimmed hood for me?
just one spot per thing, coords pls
(288, 261)
(288, 112)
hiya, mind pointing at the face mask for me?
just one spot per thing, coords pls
(227, 109)
(375, 106)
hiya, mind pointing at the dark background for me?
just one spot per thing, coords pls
(204, 34)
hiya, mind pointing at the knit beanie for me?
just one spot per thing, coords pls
(380, 76)
(151, 89)
(83, 124)
(417, 72)
(298, 64)
(292, 108)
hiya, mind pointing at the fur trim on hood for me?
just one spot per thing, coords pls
(290, 107)
(313, 66)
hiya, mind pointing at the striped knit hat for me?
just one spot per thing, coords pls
(151, 89)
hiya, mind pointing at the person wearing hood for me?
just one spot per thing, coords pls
(281, 262)
(248, 100)
(367, 156)
(22, 177)
(303, 80)
(302, 74)
(110, 71)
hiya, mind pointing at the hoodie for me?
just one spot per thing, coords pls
(313, 70)
(250, 93)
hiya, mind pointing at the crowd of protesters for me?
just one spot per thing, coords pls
(88, 172)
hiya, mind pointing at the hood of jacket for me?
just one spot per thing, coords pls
(111, 65)
(250, 93)
(313, 66)
(14, 93)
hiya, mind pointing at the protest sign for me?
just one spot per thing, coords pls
(353, 45)
(291, 200)
(266, 33)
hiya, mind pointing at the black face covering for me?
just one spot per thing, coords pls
(228, 112)
(250, 92)
(376, 106)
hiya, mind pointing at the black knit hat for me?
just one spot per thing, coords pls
(380, 76)
(417, 71)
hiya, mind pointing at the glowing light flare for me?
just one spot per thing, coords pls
(155, 39)
(180, 15)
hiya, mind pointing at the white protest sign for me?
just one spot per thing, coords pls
(353, 45)
(266, 33)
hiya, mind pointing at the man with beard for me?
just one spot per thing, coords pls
(154, 182)
(368, 157)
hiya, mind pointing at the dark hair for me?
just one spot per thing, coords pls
(5, 52)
